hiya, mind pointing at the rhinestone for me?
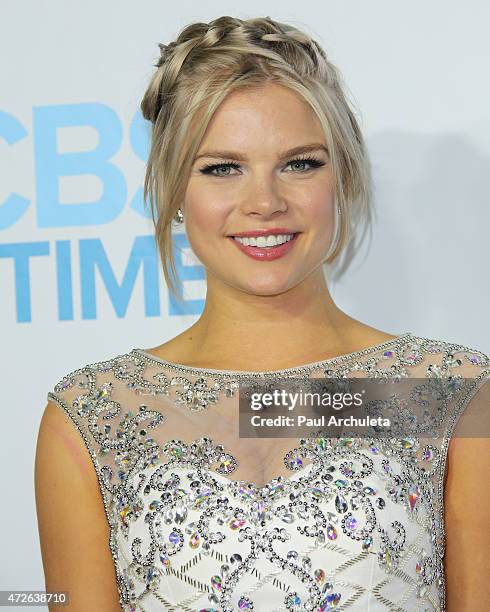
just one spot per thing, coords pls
(224, 569)
(236, 523)
(351, 523)
(369, 490)
(244, 603)
(413, 495)
(295, 463)
(194, 540)
(245, 490)
(293, 600)
(428, 454)
(329, 602)
(306, 563)
(216, 582)
(180, 514)
(367, 544)
(319, 575)
(340, 503)
(164, 558)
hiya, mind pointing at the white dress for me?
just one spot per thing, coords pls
(198, 523)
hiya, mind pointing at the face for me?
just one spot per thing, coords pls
(245, 178)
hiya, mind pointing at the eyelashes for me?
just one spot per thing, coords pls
(312, 161)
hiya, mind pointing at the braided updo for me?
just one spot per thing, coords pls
(200, 68)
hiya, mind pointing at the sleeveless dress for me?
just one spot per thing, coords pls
(198, 522)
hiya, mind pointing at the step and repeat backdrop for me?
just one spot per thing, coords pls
(80, 278)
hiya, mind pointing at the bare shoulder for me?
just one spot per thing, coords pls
(467, 510)
(73, 528)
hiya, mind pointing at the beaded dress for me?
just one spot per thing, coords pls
(199, 522)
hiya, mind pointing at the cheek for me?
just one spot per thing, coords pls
(205, 219)
(320, 208)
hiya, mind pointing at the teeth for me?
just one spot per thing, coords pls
(265, 241)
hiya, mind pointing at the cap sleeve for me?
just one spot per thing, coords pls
(115, 428)
(465, 413)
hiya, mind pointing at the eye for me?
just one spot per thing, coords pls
(311, 161)
(210, 168)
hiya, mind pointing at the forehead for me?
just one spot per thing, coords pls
(271, 115)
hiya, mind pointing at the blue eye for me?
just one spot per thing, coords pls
(311, 161)
(211, 167)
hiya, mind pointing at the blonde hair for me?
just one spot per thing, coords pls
(200, 68)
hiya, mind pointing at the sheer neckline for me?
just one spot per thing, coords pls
(299, 368)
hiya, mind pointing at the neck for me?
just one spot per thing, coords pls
(244, 331)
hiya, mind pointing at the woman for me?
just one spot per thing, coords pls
(256, 149)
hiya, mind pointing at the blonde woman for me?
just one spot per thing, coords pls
(147, 497)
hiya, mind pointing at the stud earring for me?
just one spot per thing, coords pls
(179, 216)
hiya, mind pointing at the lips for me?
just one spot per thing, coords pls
(267, 253)
(264, 232)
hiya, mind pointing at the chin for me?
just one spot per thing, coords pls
(264, 288)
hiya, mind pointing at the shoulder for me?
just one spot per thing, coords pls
(463, 372)
(68, 400)
(474, 354)
(68, 378)
(454, 376)
(98, 400)
(68, 469)
(69, 420)
(84, 380)
(451, 356)
(447, 359)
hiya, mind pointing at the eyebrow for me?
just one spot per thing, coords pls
(315, 146)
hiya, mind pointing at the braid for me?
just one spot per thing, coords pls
(282, 39)
(172, 58)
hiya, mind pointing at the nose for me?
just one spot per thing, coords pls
(263, 198)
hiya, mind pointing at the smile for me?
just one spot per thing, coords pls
(265, 248)
(264, 241)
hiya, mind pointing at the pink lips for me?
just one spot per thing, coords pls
(269, 253)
